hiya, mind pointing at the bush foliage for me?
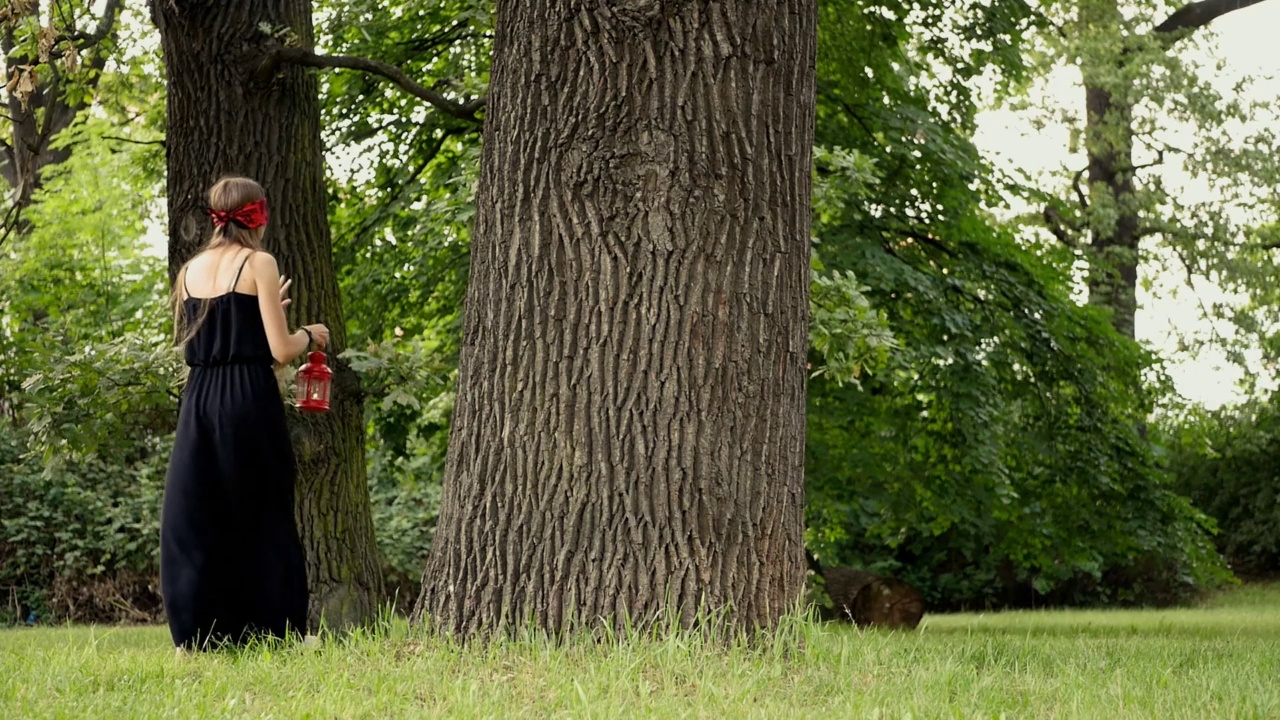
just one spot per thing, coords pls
(1228, 463)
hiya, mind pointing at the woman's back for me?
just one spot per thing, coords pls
(224, 312)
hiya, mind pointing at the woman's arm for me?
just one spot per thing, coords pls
(285, 347)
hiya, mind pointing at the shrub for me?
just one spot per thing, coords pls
(1228, 463)
(80, 541)
(81, 481)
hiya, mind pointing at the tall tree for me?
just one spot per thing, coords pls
(629, 432)
(982, 461)
(232, 109)
(52, 68)
(1135, 83)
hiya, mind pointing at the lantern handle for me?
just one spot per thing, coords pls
(330, 358)
(312, 344)
(325, 349)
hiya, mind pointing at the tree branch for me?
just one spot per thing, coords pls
(918, 235)
(1151, 141)
(306, 58)
(451, 34)
(1196, 15)
(106, 29)
(161, 143)
(106, 24)
(827, 91)
(1048, 22)
(1059, 226)
(1080, 194)
(1158, 161)
(11, 221)
(1191, 284)
(379, 212)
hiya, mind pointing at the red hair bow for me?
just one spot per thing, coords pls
(250, 216)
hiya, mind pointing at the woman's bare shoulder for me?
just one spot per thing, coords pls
(263, 260)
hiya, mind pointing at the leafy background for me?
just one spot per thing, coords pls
(975, 427)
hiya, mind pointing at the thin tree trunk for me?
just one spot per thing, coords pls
(1108, 139)
(1113, 275)
(223, 118)
(628, 437)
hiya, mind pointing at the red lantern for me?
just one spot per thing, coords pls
(314, 380)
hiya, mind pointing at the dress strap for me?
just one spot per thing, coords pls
(236, 281)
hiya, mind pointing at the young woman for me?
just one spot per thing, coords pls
(231, 565)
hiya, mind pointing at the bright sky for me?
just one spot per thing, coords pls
(1245, 41)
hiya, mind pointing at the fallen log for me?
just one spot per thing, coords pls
(870, 600)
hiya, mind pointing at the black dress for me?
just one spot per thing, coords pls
(231, 565)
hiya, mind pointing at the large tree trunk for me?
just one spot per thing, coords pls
(628, 437)
(223, 118)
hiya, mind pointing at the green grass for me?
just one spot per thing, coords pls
(1221, 660)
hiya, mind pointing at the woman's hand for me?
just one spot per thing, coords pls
(320, 333)
(285, 300)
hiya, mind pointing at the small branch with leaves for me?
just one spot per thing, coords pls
(1154, 163)
(106, 23)
(379, 212)
(1190, 275)
(68, 46)
(10, 223)
(1268, 237)
(1066, 231)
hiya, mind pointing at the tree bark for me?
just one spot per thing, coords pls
(628, 439)
(1196, 15)
(224, 117)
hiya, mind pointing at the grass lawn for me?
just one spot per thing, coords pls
(1221, 660)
